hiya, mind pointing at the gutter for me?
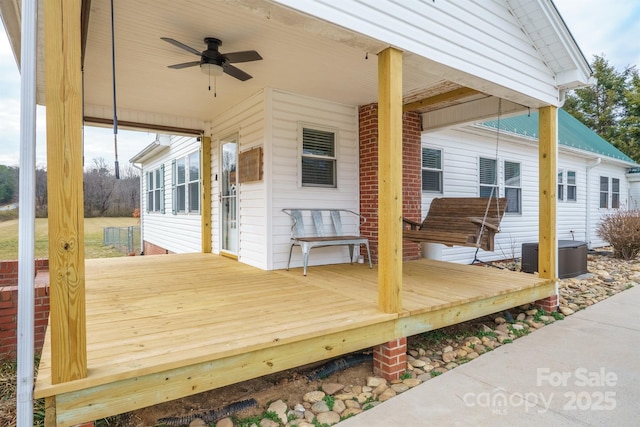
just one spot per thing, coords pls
(587, 232)
(27, 217)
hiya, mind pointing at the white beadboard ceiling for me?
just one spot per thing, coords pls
(302, 54)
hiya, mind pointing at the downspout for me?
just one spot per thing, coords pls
(587, 231)
(141, 210)
(26, 219)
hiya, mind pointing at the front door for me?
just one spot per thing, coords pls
(229, 197)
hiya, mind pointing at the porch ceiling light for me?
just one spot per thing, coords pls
(211, 69)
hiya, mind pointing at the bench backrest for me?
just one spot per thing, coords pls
(317, 217)
(453, 212)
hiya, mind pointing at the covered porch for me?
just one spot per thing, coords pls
(163, 327)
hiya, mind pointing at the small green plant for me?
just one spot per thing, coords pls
(405, 376)
(330, 401)
(507, 341)
(539, 314)
(435, 373)
(557, 315)
(255, 419)
(317, 423)
(629, 286)
(481, 334)
(519, 332)
(367, 406)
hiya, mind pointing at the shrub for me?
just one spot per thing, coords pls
(622, 230)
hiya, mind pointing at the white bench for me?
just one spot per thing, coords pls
(321, 236)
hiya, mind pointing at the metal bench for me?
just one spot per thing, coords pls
(320, 237)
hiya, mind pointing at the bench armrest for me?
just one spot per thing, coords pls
(413, 224)
(478, 221)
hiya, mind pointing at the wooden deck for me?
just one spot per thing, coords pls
(163, 327)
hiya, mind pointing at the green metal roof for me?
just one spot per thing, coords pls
(571, 133)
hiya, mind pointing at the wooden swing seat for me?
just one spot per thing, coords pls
(458, 221)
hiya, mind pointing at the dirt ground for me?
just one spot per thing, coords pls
(288, 386)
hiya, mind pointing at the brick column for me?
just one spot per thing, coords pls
(390, 359)
(411, 176)
(549, 304)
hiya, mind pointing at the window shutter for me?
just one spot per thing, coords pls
(149, 198)
(162, 207)
(174, 201)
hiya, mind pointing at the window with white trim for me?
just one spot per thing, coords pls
(186, 183)
(488, 177)
(567, 188)
(512, 187)
(615, 193)
(604, 192)
(319, 161)
(431, 170)
(155, 190)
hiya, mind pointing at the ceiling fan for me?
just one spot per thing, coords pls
(214, 63)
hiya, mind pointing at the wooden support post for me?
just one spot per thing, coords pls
(63, 81)
(205, 197)
(390, 180)
(547, 245)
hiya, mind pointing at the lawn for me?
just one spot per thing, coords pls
(93, 234)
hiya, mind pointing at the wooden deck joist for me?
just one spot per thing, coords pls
(207, 322)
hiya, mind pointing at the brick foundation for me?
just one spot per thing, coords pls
(152, 249)
(390, 359)
(411, 176)
(9, 306)
(549, 304)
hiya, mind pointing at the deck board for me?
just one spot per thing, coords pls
(180, 313)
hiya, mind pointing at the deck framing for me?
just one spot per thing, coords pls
(301, 320)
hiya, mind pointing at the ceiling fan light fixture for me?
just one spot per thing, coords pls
(211, 69)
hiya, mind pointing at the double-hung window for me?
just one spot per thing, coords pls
(186, 184)
(319, 161)
(488, 177)
(155, 190)
(615, 193)
(567, 188)
(604, 192)
(431, 170)
(512, 187)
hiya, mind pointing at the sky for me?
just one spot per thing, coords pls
(610, 28)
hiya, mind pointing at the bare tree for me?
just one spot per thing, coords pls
(99, 184)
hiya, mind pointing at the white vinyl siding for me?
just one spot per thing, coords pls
(246, 122)
(488, 42)
(289, 110)
(176, 233)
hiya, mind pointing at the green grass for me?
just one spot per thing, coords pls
(92, 237)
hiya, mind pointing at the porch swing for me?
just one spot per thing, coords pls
(461, 221)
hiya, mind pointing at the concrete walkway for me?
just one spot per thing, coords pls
(584, 370)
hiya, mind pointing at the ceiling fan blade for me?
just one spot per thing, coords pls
(184, 65)
(181, 45)
(236, 72)
(244, 56)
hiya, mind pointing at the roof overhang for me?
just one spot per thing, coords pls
(311, 55)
